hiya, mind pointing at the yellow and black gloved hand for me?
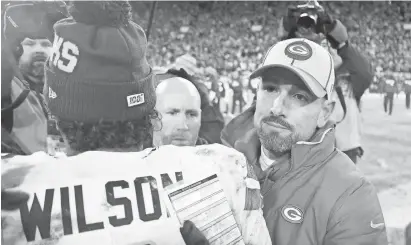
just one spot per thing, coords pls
(192, 235)
(12, 200)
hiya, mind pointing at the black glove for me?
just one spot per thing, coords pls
(192, 235)
(326, 21)
(11, 200)
(335, 32)
(290, 21)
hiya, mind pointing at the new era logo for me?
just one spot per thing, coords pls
(135, 99)
(12, 22)
(52, 94)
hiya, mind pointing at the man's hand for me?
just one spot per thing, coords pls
(334, 30)
(11, 178)
(11, 200)
(312, 4)
(338, 35)
(192, 235)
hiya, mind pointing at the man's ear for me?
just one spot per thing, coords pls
(157, 121)
(259, 83)
(336, 58)
(325, 113)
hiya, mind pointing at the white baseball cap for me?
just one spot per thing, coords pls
(310, 61)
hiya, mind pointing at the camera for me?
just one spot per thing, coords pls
(305, 16)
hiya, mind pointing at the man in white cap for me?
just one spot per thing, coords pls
(312, 192)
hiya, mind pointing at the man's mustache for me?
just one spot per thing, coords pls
(278, 120)
(39, 57)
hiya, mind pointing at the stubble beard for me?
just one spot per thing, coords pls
(275, 143)
(32, 70)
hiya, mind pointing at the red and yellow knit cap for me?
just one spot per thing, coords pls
(98, 68)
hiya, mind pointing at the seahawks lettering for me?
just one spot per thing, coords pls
(37, 217)
(64, 54)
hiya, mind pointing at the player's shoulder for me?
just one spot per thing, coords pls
(15, 168)
(220, 156)
(216, 148)
(219, 151)
(12, 160)
(211, 150)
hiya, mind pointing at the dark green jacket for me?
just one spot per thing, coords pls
(317, 196)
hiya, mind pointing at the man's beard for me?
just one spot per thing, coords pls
(34, 68)
(188, 140)
(273, 141)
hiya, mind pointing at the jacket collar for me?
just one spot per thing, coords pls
(241, 135)
(35, 85)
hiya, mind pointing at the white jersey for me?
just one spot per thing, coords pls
(115, 197)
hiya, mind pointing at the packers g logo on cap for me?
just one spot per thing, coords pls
(292, 214)
(298, 50)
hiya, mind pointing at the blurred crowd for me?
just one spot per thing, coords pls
(232, 37)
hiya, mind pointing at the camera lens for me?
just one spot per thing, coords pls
(307, 20)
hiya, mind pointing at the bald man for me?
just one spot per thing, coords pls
(179, 103)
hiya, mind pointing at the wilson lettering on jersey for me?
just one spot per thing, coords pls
(116, 198)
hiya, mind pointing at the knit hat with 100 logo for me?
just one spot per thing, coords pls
(98, 68)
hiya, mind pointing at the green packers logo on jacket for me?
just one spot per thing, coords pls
(292, 214)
